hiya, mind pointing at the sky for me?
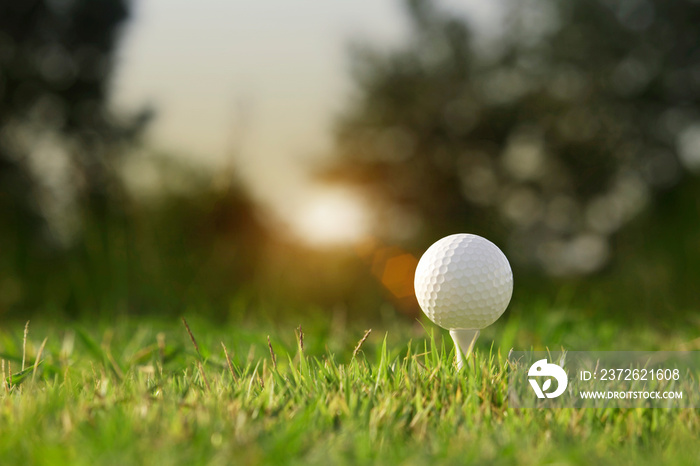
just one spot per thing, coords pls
(257, 85)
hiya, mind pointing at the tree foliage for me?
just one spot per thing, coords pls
(58, 138)
(550, 140)
(74, 236)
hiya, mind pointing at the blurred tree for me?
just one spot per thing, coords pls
(551, 140)
(75, 236)
(58, 138)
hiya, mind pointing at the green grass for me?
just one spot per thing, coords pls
(133, 392)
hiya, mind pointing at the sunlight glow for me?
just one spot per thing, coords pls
(332, 217)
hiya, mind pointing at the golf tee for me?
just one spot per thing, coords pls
(464, 343)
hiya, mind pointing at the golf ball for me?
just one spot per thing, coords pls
(463, 281)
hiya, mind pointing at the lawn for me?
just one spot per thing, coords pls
(139, 391)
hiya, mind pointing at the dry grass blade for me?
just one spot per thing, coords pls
(359, 344)
(301, 338)
(272, 353)
(38, 357)
(194, 342)
(24, 344)
(196, 348)
(228, 361)
(204, 377)
(161, 347)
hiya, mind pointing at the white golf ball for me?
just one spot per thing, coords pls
(463, 281)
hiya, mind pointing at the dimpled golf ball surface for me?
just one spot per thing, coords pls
(463, 281)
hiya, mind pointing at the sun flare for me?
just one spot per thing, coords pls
(332, 217)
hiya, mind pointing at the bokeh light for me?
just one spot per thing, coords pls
(331, 217)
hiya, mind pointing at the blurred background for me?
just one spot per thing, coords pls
(240, 159)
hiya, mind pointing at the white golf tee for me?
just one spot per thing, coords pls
(464, 343)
